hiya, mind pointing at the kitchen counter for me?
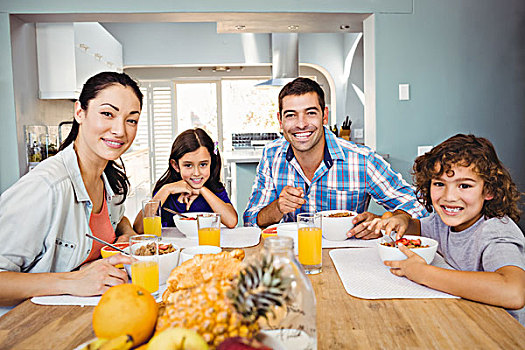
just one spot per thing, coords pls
(250, 155)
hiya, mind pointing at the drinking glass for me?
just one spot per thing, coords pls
(209, 226)
(309, 227)
(145, 270)
(151, 217)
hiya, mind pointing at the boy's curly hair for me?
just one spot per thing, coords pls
(466, 150)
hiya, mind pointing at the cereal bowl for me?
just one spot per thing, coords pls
(190, 252)
(188, 226)
(393, 253)
(167, 261)
(337, 223)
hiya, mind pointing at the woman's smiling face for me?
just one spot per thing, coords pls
(458, 197)
(109, 125)
(194, 167)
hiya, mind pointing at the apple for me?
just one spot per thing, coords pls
(177, 339)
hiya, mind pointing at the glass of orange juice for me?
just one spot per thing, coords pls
(309, 240)
(209, 226)
(145, 270)
(151, 217)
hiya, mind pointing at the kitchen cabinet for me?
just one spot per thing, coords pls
(69, 53)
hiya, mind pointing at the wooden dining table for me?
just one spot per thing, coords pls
(343, 322)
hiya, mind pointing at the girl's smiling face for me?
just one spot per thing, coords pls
(458, 197)
(194, 167)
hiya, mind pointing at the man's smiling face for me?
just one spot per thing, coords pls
(302, 121)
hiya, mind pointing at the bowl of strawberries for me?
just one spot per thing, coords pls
(423, 246)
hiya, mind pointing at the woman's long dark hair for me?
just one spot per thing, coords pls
(190, 141)
(115, 173)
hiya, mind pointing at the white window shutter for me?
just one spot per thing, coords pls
(162, 128)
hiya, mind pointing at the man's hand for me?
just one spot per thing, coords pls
(290, 199)
(360, 229)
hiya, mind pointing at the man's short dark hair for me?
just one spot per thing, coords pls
(301, 86)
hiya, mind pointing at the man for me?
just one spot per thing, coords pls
(312, 170)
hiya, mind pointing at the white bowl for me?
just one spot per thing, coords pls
(187, 226)
(167, 262)
(289, 229)
(190, 252)
(336, 228)
(393, 253)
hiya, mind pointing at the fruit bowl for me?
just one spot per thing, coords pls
(393, 253)
(337, 223)
(188, 226)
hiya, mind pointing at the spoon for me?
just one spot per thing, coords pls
(176, 213)
(106, 243)
(392, 233)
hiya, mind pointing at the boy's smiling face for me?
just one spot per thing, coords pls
(458, 196)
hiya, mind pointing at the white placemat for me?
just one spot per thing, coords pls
(364, 275)
(350, 243)
(74, 300)
(238, 237)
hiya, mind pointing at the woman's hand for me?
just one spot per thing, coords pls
(410, 268)
(98, 276)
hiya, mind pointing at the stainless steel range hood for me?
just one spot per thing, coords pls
(285, 59)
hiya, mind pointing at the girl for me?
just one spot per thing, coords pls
(44, 216)
(474, 205)
(192, 181)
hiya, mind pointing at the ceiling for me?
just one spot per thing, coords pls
(227, 22)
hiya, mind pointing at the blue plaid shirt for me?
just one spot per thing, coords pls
(346, 179)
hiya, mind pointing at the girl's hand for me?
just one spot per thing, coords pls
(188, 198)
(98, 276)
(410, 268)
(180, 186)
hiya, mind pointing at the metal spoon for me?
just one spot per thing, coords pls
(176, 213)
(106, 243)
(392, 233)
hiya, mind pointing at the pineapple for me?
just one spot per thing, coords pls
(224, 308)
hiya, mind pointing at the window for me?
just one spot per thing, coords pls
(220, 107)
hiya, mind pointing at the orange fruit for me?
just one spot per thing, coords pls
(125, 309)
(387, 215)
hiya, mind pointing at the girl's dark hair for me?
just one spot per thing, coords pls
(467, 150)
(115, 173)
(190, 141)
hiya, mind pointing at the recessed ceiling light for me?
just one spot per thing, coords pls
(293, 27)
(240, 27)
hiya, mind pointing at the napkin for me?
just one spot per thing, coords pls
(364, 275)
(74, 300)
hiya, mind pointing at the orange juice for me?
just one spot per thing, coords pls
(146, 275)
(152, 226)
(310, 245)
(210, 236)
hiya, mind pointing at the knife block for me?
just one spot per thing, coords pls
(345, 134)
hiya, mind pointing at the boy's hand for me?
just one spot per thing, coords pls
(397, 223)
(410, 268)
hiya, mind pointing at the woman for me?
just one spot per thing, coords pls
(44, 217)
